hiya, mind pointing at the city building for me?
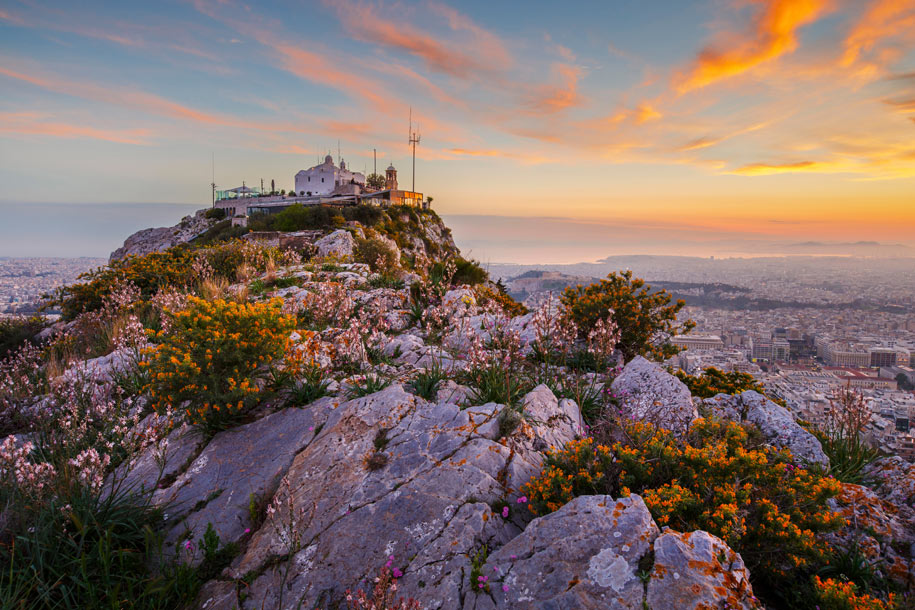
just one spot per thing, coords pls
(697, 343)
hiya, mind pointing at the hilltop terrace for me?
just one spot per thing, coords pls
(245, 204)
(323, 184)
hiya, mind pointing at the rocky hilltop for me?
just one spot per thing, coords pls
(364, 416)
(163, 238)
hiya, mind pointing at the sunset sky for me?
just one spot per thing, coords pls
(666, 122)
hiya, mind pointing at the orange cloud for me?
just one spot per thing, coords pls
(31, 124)
(884, 19)
(773, 34)
(553, 98)
(699, 144)
(646, 112)
(763, 169)
(902, 105)
(364, 22)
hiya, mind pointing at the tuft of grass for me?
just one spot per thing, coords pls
(426, 384)
(368, 384)
(494, 384)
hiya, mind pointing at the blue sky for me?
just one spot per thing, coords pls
(768, 119)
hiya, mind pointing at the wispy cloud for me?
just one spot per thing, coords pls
(772, 34)
(28, 123)
(883, 19)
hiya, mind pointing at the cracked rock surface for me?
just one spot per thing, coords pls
(427, 505)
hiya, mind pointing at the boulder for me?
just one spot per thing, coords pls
(695, 571)
(775, 422)
(893, 479)
(236, 465)
(339, 244)
(585, 555)
(649, 393)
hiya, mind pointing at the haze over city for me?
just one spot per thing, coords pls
(727, 128)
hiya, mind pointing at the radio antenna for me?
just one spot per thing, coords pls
(414, 140)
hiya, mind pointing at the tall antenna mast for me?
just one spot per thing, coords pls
(213, 179)
(414, 140)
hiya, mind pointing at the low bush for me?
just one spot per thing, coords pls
(844, 595)
(720, 478)
(714, 381)
(580, 468)
(18, 330)
(487, 294)
(646, 320)
(180, 268)
(215, 356)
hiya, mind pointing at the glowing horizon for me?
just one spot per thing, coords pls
(760, 119)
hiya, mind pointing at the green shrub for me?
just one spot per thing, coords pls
(377, 255)
(427, 382)
(363, 385)
(714, 381)
(213, 358)
(215, 213)
(645, 319)
(18, 330)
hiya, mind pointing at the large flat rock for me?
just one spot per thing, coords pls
(249, 460)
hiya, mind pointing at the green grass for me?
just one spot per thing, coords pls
(95, 555)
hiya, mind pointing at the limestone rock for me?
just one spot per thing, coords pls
(648, 393)
(585, 555)
(218, 485)
(774, 421)
(339, 243)
(163, 238)
(426, 502)
(883, 533)
(161, 463)
(697, 570)
(894, 480)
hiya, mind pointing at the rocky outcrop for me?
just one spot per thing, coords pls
(236, 468)
(338, 244)
(648, 393)
(163, 238)
(697, 570)
(389, 475)
(880, 532)
(775, 422)
(598, 552)
(432, 491)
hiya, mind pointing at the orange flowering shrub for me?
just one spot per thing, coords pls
(214, 356)
(715, 479)
(579, 469)
(840, 595)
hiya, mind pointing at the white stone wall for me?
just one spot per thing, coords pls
(322, 179)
